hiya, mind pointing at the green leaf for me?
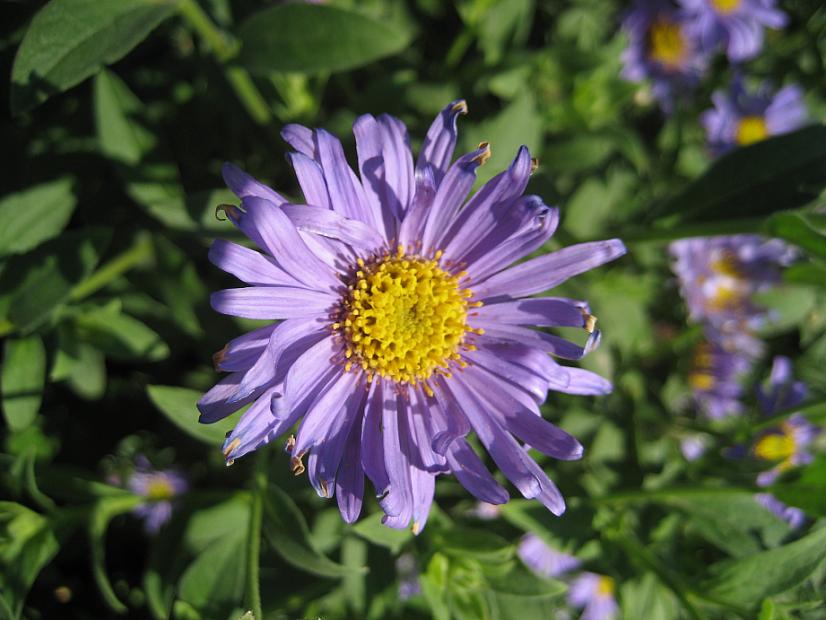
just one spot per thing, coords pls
(23, 378)
(435, 581)
(645, 597)
(42, 280)
(747, 581)
(210, 524)
(371, 529)
(214, 582)
(178, 405)
(807, 491)
(312, 38)
(780, 173)
(70, 40)
(103, 512)
(286, 530)
(733, 522)
(35, 215)
(28, 542)
(470, 543)
(795, 228)
(119, 336)
(121, 136)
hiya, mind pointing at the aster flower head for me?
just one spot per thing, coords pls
(789, 444)
(402, 326)
(719, 276)
(661, 49)
(595, 595)
(159, 487)
(740, 118)
(736, 25)
(543, 560)
(716, 378)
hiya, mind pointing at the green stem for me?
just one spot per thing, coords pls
(140, 252)
(254, 535)
(224, 48)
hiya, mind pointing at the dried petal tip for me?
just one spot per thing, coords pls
(460, 107)
(232, 445)
(590, 323)
(534, 164)
(297, 465)
(217, 358)
(290, 445)
(231, 211)
(484, 156)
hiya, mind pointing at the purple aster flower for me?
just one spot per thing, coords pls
(781, 390)
(716, 379)
(735, 24)
(594, 593)
(739, 118)
(788, 444)
(791, 515)
(718, 277)
(402, 327)
(159, 487)
(543, 560)
(661, 49)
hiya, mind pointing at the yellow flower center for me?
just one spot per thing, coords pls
(666, 43)
(702, 376)
(605, 587)
(725, 7)
(751, 129)
(779, 446)
(159, 489)
(729, 284)
(404, 318)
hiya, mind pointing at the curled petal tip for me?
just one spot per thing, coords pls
(460, 107)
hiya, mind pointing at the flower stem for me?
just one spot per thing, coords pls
(140, 251)
(224, 48)
(259, 487)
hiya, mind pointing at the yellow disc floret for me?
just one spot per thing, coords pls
(666, 43)
(779, 446)
(751, 129)
(404, 317)
(725, 7)
(159, 489)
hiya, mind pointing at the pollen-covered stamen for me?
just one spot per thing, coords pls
(404, 317)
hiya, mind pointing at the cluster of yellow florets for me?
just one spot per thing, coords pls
(404, 318)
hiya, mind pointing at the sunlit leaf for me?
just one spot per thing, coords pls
(34, 215)
(23, 378)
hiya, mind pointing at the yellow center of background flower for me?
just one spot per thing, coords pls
(605, 587)
(666, 43)
(725, 6)
(404, 318)
(729, 290)
(702, 376)
(159, 489)
(777, 446)
(751, 129)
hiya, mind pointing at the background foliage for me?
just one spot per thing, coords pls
(117, 115)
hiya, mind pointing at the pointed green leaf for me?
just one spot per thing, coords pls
(178, 405)
(312, 38)
(777, 174)
(35, 215)
(286, 530)
(70, 40)
(23, 378)
(747, 581)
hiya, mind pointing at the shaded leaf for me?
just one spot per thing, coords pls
(311, 38)
(286, 530)
(35, 215)
(42, 280)
(23, 378)
(118, 335)
(795, 228)
(178, 405)
(69, 40)
(749, 580)
(371, 528)
(780, 173)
